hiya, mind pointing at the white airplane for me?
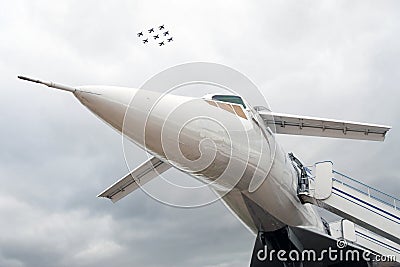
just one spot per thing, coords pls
(269, 190)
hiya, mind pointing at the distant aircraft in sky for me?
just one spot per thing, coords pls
(269, 190)
(156, 36)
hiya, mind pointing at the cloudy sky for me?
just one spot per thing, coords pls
(336, 59)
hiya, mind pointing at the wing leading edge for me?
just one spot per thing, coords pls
(133, 180)
(312, 126)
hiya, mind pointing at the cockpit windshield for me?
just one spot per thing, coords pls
(230, 99)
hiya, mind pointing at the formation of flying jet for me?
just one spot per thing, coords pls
(157, 36)
(273, 194)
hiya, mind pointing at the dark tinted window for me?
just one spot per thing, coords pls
(230, 99)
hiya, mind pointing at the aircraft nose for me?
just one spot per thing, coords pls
(107, 102)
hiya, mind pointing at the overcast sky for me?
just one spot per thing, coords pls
(336, 59)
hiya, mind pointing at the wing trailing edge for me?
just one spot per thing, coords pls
(313, 126)
(136, 178)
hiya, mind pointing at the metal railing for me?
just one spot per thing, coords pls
(368, 190)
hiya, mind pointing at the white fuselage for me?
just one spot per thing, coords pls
(224, 145)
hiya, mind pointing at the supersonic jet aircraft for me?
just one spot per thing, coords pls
(272, 195)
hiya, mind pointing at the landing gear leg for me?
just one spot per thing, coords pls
(266, 247)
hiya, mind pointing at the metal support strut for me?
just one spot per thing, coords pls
(302, 176)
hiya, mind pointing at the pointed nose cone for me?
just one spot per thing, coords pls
(107, 102)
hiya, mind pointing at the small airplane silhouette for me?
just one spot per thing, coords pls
(151, 30)
(169, 39)
(146, 40)
(166, 33)
(160, 44)
(156, 37)
(161, 27)
(140, 34)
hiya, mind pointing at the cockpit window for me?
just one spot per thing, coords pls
(230, 99)
(231, 107)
